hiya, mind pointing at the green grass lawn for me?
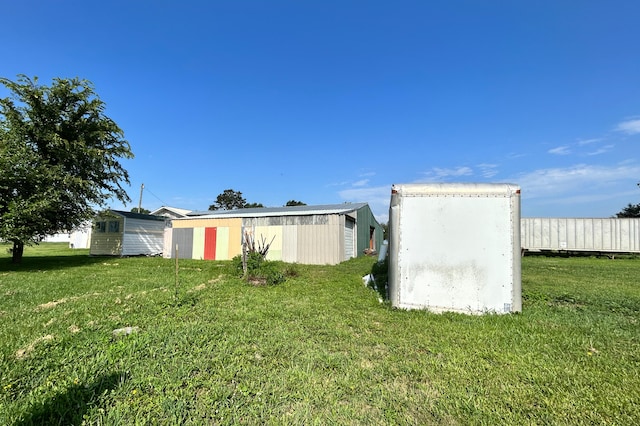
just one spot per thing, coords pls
(316, 349)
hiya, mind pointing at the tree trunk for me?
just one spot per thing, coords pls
(18, 249)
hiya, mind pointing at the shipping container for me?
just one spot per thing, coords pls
(455, 247)
(599, 235)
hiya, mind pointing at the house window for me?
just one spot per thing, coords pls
(101, 226)
(114, 226)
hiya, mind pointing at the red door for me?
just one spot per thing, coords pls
(210, 243)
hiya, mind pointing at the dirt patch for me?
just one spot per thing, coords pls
(257, 281)
(215, 280)
(24, 352)
(50, 305)
(198, 288)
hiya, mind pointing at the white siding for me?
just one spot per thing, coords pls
(143, 237)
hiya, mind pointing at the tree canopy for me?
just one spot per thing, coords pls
(292, 203)
(59, 158)
(632, 210)
(231, 199)
(140, 210)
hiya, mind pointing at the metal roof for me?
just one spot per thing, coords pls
(278, 211)
(132, 215)
(180, 212)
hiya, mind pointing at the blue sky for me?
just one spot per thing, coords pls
(334, 101)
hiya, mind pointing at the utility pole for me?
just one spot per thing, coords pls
(140, 202)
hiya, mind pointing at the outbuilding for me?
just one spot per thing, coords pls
(322, 234)
(120, 233)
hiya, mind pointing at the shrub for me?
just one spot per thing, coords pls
(262, 271)
(380, 282)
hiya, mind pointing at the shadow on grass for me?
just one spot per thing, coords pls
(49, 263)
(69, 407)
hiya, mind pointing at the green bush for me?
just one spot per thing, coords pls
(262, 271)
(254, 262)
(380, 282)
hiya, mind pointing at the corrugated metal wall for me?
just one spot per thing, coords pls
(210, 239)
(309, 239)
(183, 239)
(228, 238)
(370, 232)
(581, 234)
(321, 242)
(312, 239)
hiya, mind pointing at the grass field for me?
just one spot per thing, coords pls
(316, 349)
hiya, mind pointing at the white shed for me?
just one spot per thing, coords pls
(455, 247)
(120, 233)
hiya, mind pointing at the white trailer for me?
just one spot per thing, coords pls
(455, 247)
(599, 235)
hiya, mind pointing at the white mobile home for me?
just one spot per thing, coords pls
(120, 233)
(455, 247)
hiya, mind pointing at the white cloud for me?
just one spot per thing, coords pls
(630, 127)
(561, 150)
(488, 170)
(362, 182)
(575, 180)
(514, 155)
(602, 150)
(589, 141)
(438, 173)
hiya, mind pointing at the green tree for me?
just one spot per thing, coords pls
(229, 200)
(632, 210)
(140, 210)
(292, 203)
(59, 159)
(253, 205)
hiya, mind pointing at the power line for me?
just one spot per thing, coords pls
(158, 198)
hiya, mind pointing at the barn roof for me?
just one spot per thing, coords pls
(278, 211)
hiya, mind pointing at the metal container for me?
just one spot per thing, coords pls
(603, 235)
(455, 247)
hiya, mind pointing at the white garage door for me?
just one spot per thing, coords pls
(349, 241)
